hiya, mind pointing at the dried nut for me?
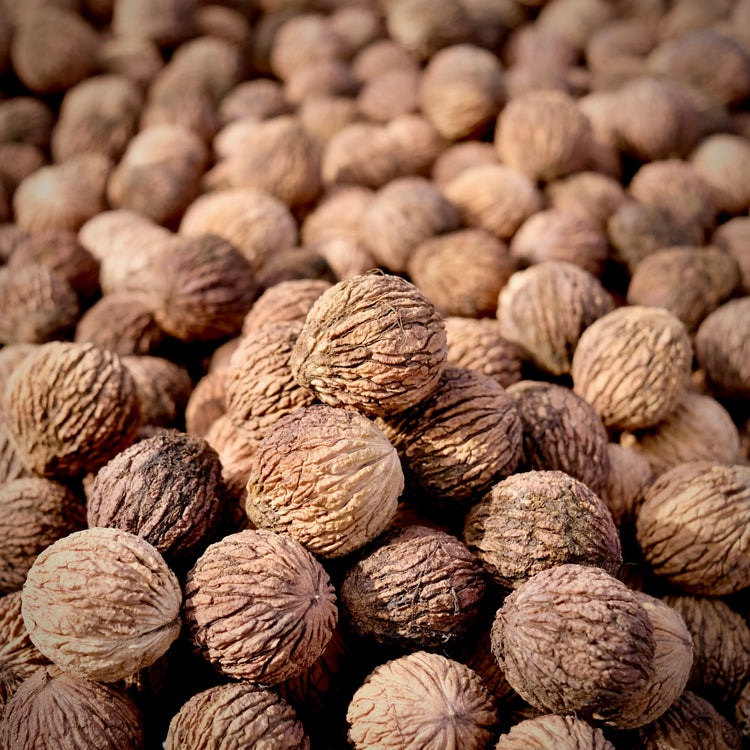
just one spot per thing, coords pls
(456, 158)
(561, 432)
(356, 25)
(632, 365)
(535, 520)
(461, 90)
(462, 272)
(323, 78)
(382, 55)
(261, 98)
(403, 214)
(721, 646)
(65, 710)
(207, 402)
(733, 236)
(704, 552)
(575, 21)
(479, 345)
(621, 44)
(420, 588)
(259, 607)
(11, 355)
(591, 195)
(700, 429)
(19, 160)
(690, 282)
(11, 236)
(742, 712)
(394, 92)
(140, 60)
(227, 24)
(415, 143)
(560, 732)
(723, 161)
(284, 302)
(544, 134)
(337, 213)
(421, 700)
(494, 197)
(344, 255)
(11, 466)
(629, 478)
(326, 476)
(92, 592)
(240, 713)
(574, 640)
(373, 342)
(26, 119)
(34, 513)
(70, 408)
(163, 388)
(168, 24)
(691, 721)
(721, 347)
(460, 440)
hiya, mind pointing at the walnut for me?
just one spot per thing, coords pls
(327, 477)
(591, 195)
(732, 236)
(11, 355)
(26, 119)
(415, 142)
(70, 408)
(620, 45)
(423, 700)
(168, 24)
(295, 263)
(236, 713)
(574, 640)
(337, 213)
(457, 157)
(531, 46)
(91, 592)
(328, 77)
(345, 256)
(722, 160)
(261, 98)
(228, 24)
(382, 55)
(206, 403)
(356, 25)
(11, 466)
(437, 581)
(608, 366)
(11, 236)
(689, 531)
(721, 347)
(19, 160)
(575, 20)
(139, 60)
(259, 606)
(373, 342)
(394, 92)
(629, 477)
(560, 732)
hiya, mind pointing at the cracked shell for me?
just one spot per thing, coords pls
(559, 732)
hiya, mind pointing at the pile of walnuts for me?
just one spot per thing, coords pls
(374, 374)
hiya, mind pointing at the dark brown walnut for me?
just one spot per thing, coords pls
(39, 305)
(461, 439)
(295, 263)
(479, 345)
(691, 721)
(166, 489)
(591, 195)
(420, 589)
(423, 700)
(545, 309)
(19, 658)
(690, 530)
(535, 520)
(629, 477)
(462, 272)
(690, 282)
(574, 640)
(95, 590)
(70, 408)
(259, 607)
(562, 432)
(237, 713)
(457, 157)
(722, 347)
(721, 646)
(700, 429)
(632, 365)
(373, 342)
(34, 512)
(723, 160)
(560, 732)
(326, 476)
(207, 402)
(168, 24)
(26, 119)
(733, 236)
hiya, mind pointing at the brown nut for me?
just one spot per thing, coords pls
(732, 236)
(629, 477)
(458, 157)
(207, 402)
(591, 195)
(723, 160)
(11, 466)
(168, 24)
(26, 119)
(560, 732)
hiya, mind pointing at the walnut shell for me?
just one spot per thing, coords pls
(574, 20)
(259, 606)
(608, 366)
(19, 160)
(11, 355)
(261, 98)
(323, 78)
(346, 256)
(394, 92)
(337, 213)
(629, 477)
(574, 640)
(54, 709)
(167, 24)
(457, 157)
(732, 236)
(420, 588)
(243, 713)
(327, 477)
(373, 342)
(70, 408)
(95, 590)
(11, 236)
(591, 195)
(26, 119)
(11, 466)
(207, 402)
(706, 552)
(423, 700)
(382, 55)
(140, 60)
(723, 160)
(560, 732)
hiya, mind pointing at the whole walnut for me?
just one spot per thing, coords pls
(337, 212)
(11, 466)
(560, 732)
(54, 709)
(506, 533)
(70, 408)
(393, 92)
(140, 60)
(608, 366)
(26, 119)
(457, 157)
(207, 402)
(629, 477)
(259, 607)
(591, 195)
(689, 529)
(723, 160)
(732, 236)
(167, 24)
(326, 476)
(373, 342)
(260, 98)
(421, 700)
(93, 591)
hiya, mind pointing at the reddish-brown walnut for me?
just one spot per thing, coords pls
(690, 530)
(236, 714)
(70, 408)
(326, 476)
(282, 302)
(421, 700)
(92, 592)
(574, 640)
(373, 342)
(560, 732)
(259, 606)
(629, 477)
(420, 588)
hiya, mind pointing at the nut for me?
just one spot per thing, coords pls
(391, 93)
(561, 732)
(26, 119)
(337, 213)
(732, 236)
(260, 98)
(166, 25)
(207, 402)
(591, 195)
(629, 477)
(457, 157)
(11, 466)
(723, 160)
